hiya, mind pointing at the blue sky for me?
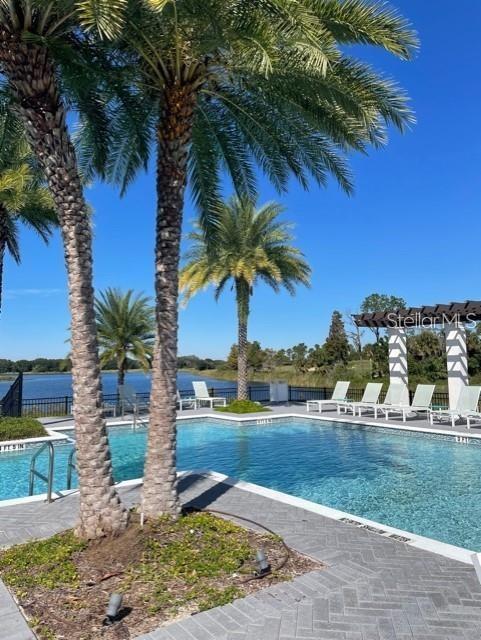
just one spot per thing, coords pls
(412, 228)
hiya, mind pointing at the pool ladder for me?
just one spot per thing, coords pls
(48, 479)
(71, 467)
(138, 421)
(34, 473)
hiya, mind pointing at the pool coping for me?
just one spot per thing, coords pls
(9, 446)
(261, 418)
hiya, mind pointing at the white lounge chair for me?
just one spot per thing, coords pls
(129, 400)
(188, 403)
(369, 397)
(395, 393)
(202, 395)
(467, 407)
(421, 403)
(338, 395)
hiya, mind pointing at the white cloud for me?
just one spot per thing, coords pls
(15, 293)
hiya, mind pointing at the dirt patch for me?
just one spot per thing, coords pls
(165, 571)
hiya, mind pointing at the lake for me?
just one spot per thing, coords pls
(60, 384)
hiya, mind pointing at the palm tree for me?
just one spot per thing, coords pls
(230, 85)
(250, 246)
(23, 198)
(125, 326)
(46, 57)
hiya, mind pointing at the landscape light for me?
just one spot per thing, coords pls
(263, 565)
(113, 608)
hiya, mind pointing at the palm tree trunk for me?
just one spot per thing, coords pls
(159, 494)
(2, 257)
(3, 246)
(120, 373)
(32, 77)
(242, 297)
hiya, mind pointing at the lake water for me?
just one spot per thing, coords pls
(52, 386)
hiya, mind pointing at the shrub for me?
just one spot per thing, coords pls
(242, 406)
(19, 428)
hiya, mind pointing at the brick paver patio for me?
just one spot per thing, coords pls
(372, 588)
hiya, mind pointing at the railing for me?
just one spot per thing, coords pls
(302, 394)
(71, 467)
(48, 479)
(62, 405)
(11, 403)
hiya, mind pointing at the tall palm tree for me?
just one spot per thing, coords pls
(23, 198)
(44, 57)
(250, 246)
(125, 326)
(230, 85)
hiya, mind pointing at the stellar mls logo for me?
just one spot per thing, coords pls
(441, 321)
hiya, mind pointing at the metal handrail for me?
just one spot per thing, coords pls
(138, 421)
(34, 473)
(70, 468)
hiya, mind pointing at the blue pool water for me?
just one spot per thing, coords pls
(424, 484)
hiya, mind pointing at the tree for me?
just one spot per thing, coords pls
(46, 58)
(381, 302)
(229, 84)
(315, 357)
(250, 246)
(378, 353)
(23, 198)
(299, 357)
(336, 348)
(125, 326)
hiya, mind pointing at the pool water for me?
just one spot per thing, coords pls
(429, 485)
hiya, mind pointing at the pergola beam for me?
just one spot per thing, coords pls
(417, 317)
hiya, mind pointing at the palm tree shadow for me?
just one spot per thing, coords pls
(207, 497)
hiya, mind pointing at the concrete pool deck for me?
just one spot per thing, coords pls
(372, 587)
(299, 409)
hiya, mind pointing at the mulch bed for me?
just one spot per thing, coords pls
(165, 570)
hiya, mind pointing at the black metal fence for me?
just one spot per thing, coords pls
(302, 394)
(62, 405)
(11, 403)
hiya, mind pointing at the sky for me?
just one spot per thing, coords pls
(412, 228)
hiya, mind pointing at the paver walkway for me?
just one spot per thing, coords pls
(372, 588)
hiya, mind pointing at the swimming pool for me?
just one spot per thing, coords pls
(426, 484)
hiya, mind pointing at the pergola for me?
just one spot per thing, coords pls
(451, 317)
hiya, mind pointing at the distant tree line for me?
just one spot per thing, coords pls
(38, 365)
(61, 365)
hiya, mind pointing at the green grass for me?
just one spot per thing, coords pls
(196, 553)
(242, 406)
(44, 563)
(19, 428)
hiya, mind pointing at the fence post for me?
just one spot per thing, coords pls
(66, 405)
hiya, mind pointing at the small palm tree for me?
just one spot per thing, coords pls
(125, 326)
(23, 197)
(250, 245)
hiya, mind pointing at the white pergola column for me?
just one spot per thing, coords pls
(398, 358)
(457, 361)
